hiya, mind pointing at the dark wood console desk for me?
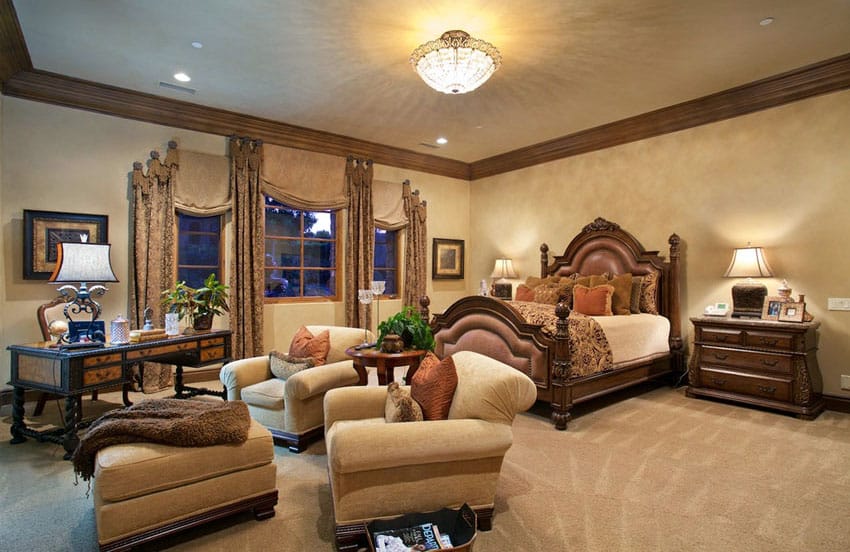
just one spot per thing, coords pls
(72, 372)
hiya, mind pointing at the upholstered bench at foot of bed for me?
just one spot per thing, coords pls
(144, 491)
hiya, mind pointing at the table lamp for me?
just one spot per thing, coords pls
(748, 296)
(502, 270)
(83, 263)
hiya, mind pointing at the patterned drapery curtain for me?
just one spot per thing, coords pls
(153, 246)
(360, 240)
(248, 248)
(415, 249)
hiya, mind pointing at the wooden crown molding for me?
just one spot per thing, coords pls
(820, 78)
(14, 55)
(21, 80)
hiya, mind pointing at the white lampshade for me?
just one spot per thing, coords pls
(748, 262)
(504, 268)
(83, 262)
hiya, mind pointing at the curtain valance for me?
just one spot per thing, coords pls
(388, 205)
(202, 183)
(304, 179)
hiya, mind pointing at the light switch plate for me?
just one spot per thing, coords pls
(838, 303)
(845, 382)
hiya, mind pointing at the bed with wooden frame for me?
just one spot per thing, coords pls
(495, 328)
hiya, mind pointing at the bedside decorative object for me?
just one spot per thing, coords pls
(483, 290)
(392, 343)
(792, 312)
(767, 364)
(502, 270)
(119, 331)
(748, 297)
(771, 307)
(784, 291)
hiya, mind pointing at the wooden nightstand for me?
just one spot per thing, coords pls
(763, 363)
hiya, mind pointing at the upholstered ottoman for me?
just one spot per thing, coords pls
(143, 491)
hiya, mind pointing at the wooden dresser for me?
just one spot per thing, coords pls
(762, 363)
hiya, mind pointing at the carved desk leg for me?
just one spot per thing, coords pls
(18, 424)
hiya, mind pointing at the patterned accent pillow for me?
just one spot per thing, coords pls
(400, 406)
(305, 344)
(433, 386)
(283, 365)
(595, 301)
(552, 294)
(524, 293)
(634, 300)
(621, 300)
(649, 293)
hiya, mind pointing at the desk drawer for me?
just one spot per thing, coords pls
(775, 388)
(96, 376)
(212, 353)
(762, 362)
(721, 335)
(770, 340)
(159, 350)
(212, 342)
(101, 360)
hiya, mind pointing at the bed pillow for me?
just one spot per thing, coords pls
(634, 300)
(593, 301)
(552, 294)
(649, 293)
(524, 293)
(592, 280)
(305, 344)
(283, 365)
(400, 406)
(622, 298)
(433, 386)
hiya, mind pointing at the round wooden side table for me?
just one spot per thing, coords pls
(385, 363)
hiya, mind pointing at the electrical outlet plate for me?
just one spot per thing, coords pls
(845, 382)
(838, 303)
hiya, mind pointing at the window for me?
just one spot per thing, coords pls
(386, 260)
(198, 248)
(301, 252)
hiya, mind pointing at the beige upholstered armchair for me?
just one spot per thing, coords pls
(379, 469)
(292, 409)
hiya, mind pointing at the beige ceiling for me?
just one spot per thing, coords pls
(342, 66)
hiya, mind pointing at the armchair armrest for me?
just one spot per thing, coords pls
(354, 403)
(307, 383)
(241, 373)
(354, 447)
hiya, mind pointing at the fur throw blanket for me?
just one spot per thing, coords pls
(176, 422)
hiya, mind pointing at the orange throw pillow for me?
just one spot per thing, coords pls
(433, 386)
(305, 344)
(524, 293)
(595, 301)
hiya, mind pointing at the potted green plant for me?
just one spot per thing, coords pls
(198, 305)
(414, 331)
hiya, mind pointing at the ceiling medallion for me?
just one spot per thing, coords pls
(455, 63)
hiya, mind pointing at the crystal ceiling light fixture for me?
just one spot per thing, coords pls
(455, 63)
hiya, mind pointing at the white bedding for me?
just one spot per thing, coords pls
(636, 336)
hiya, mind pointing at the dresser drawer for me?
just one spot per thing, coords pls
(775, 388)
(753, 360)
(770, 340)
(721, 335)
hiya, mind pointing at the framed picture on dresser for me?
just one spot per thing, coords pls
(792, 312)
(772, 307)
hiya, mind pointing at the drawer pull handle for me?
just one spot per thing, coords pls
(720, 357)
(770, 363)
(767, 389)
(720, 338)
(769, 342)
(718, 381)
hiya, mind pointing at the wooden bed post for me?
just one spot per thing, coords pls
(544, 260)
(424, 312)
(562, 400)
(674, 314)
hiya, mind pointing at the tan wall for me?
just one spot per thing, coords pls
(778, 178)
(60, 159)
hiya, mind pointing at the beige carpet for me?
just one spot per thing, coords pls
(651, 471)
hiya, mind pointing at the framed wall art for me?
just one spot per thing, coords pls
(44, 229)
(792, 312)
(447, 259)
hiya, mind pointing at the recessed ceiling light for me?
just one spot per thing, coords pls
(182, 77)
(197, 44)
(441, 141)
(766, 21)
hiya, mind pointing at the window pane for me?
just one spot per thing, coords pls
(319, 224)
(198, 248)
(319, 283)
(189, 223)
(318, 253)
(386, 260)
(283, 253)
(194, 277)
(282, 221)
